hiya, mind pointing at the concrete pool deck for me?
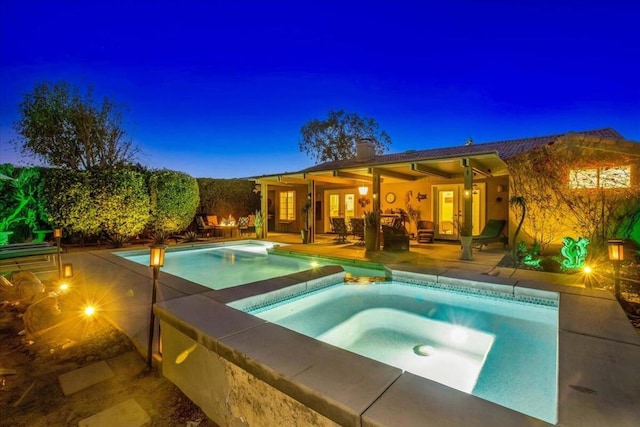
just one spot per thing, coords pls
(598, 347)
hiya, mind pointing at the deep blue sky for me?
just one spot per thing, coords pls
(221, 89)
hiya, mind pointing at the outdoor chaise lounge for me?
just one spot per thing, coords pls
(204, 228)
(492, 232)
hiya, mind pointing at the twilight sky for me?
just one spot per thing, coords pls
(221, 89)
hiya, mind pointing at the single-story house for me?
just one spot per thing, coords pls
(439, 184)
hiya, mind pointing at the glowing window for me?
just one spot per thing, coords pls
(615, 177)
(619, 177)
(287, 205)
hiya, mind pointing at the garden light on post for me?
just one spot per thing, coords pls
(156, 261)
(57, 234)
(616, 255)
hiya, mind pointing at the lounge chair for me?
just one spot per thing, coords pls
(203, 228)
(357, 229)
(340, 228)
(425, 231)
(492, 232)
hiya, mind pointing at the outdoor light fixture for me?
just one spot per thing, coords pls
(616, 255)
(156, 260)
(362, 200)
(57, 234)
(67, 271)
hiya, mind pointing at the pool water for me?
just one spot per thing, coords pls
(224, 266)
(500, 350)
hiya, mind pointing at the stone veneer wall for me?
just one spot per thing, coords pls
(228, 395)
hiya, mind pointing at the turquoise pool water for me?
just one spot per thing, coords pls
(497, 349)
(226, 265)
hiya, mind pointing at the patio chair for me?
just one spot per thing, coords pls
(492, 232)
(425, 231)
(357, 229)
(395, 237)
(243, 225)
(340, 228)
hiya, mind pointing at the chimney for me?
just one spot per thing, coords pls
(365, 150)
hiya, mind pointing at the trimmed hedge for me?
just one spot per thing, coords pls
(224, 197)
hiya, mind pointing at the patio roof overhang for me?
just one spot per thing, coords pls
(483, 164)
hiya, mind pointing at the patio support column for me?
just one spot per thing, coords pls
(468, 208)
(264, 207)
(311, 189)
(376, 201)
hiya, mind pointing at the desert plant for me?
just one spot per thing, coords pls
(160, 237)
(518, 202)
(191, 236)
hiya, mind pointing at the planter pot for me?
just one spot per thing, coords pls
(466, 254)
(306, 234)
(258, 232)
(370, 238)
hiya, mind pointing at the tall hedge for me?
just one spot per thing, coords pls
(174, 199)
(224, 197)
(121, 201)
(69, 201)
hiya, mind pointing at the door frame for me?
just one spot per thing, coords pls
(479, 208)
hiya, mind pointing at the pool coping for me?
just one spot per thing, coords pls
(353, 390)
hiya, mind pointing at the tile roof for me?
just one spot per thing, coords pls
(505, 149)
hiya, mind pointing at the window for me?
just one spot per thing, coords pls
(287, 205)
(619, 177)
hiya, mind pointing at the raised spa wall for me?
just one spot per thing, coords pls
(242, 370)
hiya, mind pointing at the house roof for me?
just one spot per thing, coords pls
(504, 149)
(488, 159)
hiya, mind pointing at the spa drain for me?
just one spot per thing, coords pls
(423, 350)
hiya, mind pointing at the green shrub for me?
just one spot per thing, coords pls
(174, 199)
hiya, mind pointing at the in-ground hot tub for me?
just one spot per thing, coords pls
(484, 343)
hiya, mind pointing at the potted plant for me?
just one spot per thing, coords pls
(258, 221)
(371, 230)
(306, 231)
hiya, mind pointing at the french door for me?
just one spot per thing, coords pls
(448, 209)
(341, 204)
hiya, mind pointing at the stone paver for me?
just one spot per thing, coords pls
(81, 378)
(125, 414)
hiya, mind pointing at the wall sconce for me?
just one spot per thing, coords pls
(500, 188)
(421, 196)
(616, 255)
(156, 260)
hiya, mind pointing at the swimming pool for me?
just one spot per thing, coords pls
(221, 266)
(502, 350)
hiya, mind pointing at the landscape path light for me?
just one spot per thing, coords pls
(616, 255)
(57, 235)
(156, 260)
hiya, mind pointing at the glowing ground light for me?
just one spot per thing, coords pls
(64, 287)
(587, 269)
(314, 264)
(458, 335)
(89, 310)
